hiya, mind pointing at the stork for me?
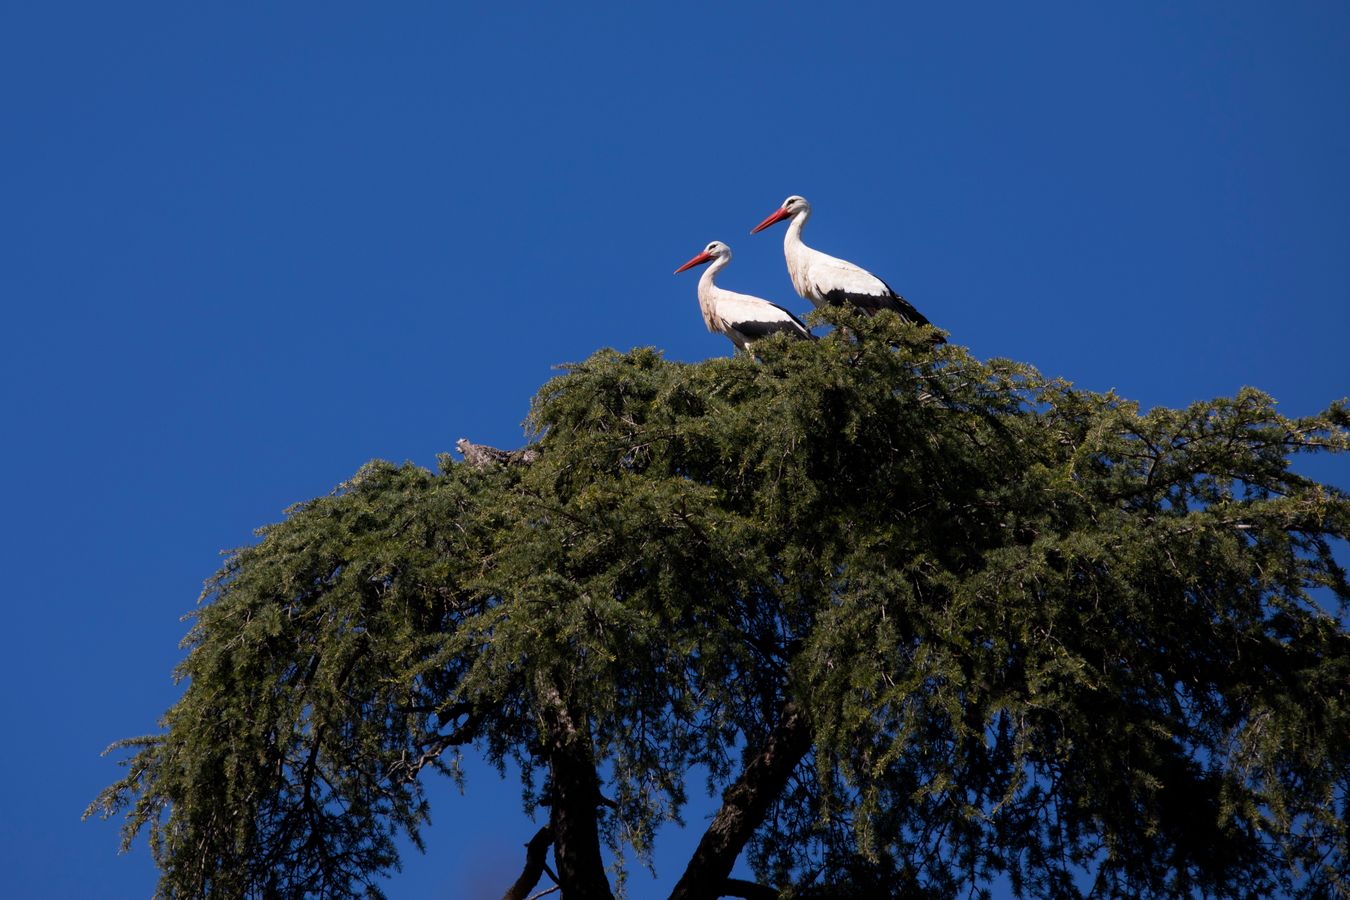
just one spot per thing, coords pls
(825, 280)
(742, 318)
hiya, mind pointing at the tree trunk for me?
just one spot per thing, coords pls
(574, 795)
(744, 805)
(576, 826)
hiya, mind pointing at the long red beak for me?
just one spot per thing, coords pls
(777, 215)
(696, 261)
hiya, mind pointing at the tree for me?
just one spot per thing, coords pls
(925, 619)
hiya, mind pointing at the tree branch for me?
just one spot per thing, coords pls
(750, 890)
(406, 771)
(535, 852)
(744, 805)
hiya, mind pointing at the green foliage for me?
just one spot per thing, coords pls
(1036, 631)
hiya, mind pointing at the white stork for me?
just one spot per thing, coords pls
(823, 280)
(742, 318)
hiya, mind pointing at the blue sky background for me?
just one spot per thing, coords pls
(246, 248)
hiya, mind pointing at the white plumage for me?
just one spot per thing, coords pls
(742, 318)
(824, 279)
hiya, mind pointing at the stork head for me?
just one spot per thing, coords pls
(715, 250)
(791, 206)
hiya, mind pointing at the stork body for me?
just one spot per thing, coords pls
(827, 280)
(742, 318)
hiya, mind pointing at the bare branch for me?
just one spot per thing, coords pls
(535, 852)
(405, 771)
(744, 805)
(750, 890)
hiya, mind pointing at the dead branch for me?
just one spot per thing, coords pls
(480, 456)
(535, 852)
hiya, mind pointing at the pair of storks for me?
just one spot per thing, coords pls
(818, 277)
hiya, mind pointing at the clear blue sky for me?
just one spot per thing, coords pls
(246, 248)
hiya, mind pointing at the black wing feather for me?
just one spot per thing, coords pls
(754, 328)
(874, 303)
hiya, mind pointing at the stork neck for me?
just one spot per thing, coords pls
(705, 281)
(707, 290)
(794, 229)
